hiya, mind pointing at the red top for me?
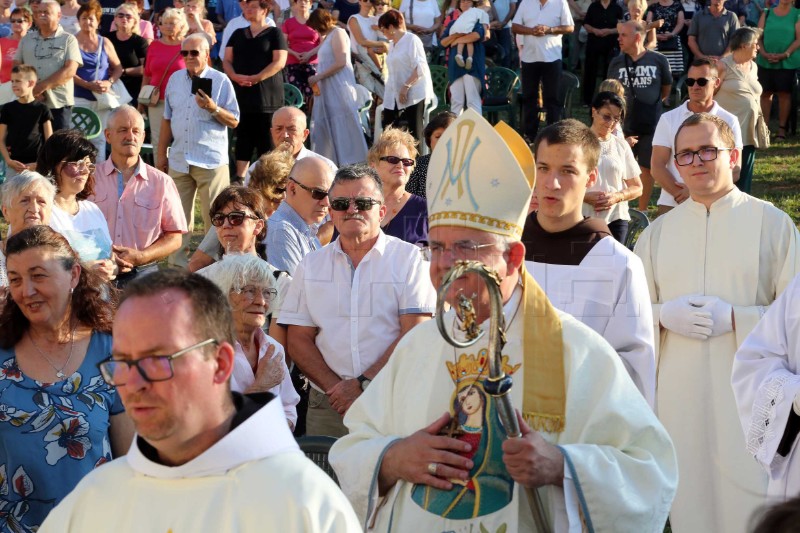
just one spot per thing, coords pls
(8, 47)
(156, 61)
(301, 38)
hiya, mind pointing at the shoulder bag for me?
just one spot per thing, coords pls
(151, 94)
(117, 94)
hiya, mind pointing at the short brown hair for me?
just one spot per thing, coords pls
(389, 138)
(272, 170)
(63, 146)
(91, 302)
(210, 308)
(24, 13)
(392, 18)
(25, 70)
(570, 131)
(725, 131)
(92, 7)
(321, 21)
(244, 196)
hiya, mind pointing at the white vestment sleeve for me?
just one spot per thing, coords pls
(765, 380)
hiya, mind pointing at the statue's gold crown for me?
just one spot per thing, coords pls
(471, 367)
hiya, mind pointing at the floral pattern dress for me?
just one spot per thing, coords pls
(670, 48)
(51, 435)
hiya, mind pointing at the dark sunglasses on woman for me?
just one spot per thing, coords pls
(236, 218)
(393, 160)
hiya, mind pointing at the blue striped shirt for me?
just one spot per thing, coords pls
(198, 138)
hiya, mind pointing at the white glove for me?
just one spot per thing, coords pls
(721, 313)
(680, 316)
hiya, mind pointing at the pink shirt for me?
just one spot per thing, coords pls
(160, 57)
(149, 206)
(300, 38)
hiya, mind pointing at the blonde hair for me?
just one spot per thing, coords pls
(640, 3)
(613, 86)
(179, 18)
(133, 10)
(271, 170)
(389, 138)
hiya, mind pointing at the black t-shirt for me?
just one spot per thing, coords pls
(109, 9)
(24, 136)
(602, 18)
(131, 54)
(251, 55)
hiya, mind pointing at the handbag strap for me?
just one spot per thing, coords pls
(167, 69)
(628, 67)
(99, 56)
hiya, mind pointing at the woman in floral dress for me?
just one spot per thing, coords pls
(668, 40)
(58, 418)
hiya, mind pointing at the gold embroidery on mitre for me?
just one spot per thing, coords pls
(459, 159)
(471, 366)
(488, 222)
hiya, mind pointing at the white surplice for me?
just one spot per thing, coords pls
(744, 251)
(608, 292)
(255, 479)
(620, 467)
(766, 379)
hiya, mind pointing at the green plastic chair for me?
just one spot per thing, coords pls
(292, 96)
(566, 88)
(440, 84)
(500, 95)
(86, 121)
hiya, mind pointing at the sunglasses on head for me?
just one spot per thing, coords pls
(316, 194)
(702, 82)
(393, 160)
(193, 53)
(236, 218)
(362, 203)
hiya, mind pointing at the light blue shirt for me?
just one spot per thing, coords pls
(198, 138)
(289, 238)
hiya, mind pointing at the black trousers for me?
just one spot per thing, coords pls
(410, 118)
(549, 76)
(62, 118)
(597, 60)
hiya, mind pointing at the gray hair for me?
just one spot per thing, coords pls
(355, 173)
(744, 36)
(201, 37)
(45, 3)
(25, 181)
(124, 108)
(235, 271)
(294, 112)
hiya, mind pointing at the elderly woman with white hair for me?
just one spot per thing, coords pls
(27, 201)
(259, 365)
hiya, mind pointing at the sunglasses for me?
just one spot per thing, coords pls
(236, 218)
(193, 53)
(702, 82)
(125, 16)
(362, 203)
(74, 168)
(316, 194)
(17, 21)
(393, 160)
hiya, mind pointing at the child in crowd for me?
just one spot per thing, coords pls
(464, 24)
(24, 123)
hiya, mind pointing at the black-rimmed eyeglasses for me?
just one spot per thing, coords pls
(152, 368)
(686, 158)
(316, 194)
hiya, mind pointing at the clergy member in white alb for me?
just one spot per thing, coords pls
(203, 459)
(582, 268)
(712, 264)
(766, 383)
(590, 446)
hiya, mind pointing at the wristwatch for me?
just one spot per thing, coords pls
(216, 111)
(364, 381)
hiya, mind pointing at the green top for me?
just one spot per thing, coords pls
(779, 34)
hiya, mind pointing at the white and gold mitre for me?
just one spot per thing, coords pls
(480, 177)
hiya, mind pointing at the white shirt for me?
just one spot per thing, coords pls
(425, 12)
(531, 13)
(616, 165)
(365, 24)
(357, 310)
(86, 231)
(665, 132)
(235, 24)
(406, 56)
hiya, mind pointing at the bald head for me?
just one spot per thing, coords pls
(309, 177)
(289, 130)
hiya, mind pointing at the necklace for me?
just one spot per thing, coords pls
(59, 371)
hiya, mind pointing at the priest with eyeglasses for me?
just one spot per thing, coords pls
(428, 448)
(714, 264)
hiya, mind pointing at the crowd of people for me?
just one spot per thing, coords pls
(651, 382)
